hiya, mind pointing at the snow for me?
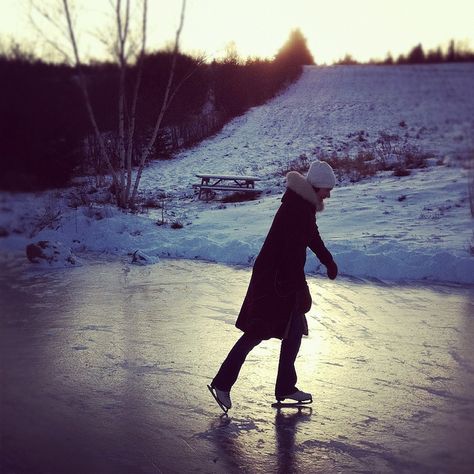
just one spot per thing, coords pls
(411, 228)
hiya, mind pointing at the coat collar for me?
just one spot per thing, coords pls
(298, 184)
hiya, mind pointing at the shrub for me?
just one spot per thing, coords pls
(414, 158)
(400, 171)
(396, 156)
(355, 169)
(300, 164)
(152, 203)
(49, 218)
(239, 197)
(386, 150)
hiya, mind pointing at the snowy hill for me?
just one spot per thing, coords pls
(326, 109)
(415, 227)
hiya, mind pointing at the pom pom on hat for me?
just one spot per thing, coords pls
(321, 175)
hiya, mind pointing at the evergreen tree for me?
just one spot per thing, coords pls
(388, 59)
(295, 51)
(435, 56)
(416, 55)
(451, 56)
(347, 60)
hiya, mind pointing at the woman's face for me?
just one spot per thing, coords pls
(323, 193)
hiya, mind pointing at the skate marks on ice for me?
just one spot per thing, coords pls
(393, 384)
(401, 375)
(107, 364)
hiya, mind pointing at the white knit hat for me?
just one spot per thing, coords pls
(321, 175)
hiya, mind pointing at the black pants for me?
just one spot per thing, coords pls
(286, 378)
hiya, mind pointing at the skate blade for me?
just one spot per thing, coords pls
(223, 407)
(294, 404)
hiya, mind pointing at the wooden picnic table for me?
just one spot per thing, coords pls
(217, 182)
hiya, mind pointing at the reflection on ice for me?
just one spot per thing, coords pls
(104, 369)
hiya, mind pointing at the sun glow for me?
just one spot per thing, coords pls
(366, 29)
(258, 28)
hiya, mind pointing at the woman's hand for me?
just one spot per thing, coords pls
(332, 270)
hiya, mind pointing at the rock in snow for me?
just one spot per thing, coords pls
(51, 254)
(141, 258)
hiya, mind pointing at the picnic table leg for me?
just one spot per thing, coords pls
(203, 181)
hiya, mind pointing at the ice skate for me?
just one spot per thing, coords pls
(221, 397)
(299, 399)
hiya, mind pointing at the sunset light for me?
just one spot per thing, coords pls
(367, 29)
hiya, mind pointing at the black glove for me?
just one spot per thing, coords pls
(303, 300)
(332, 270)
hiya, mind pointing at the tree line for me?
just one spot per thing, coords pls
(44, 128)
(455, 53)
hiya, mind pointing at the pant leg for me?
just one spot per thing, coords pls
(290, 346)
(230, 368)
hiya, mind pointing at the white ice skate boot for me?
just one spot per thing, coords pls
(222, 398)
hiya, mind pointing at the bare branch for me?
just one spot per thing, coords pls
(164, 107)
(53, 25)
(131, 131)
(199, 63)
(175, 56)
(127, 22)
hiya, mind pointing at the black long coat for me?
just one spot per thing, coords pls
(278, 272)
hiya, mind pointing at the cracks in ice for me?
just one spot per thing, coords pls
(361, 453)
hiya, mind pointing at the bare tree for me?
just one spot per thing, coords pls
(125, 179)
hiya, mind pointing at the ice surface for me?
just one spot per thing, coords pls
(104, 370)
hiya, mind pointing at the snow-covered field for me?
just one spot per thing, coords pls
(411, 228)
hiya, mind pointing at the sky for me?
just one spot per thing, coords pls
(366, 29)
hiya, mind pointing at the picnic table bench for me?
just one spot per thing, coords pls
(216, 182)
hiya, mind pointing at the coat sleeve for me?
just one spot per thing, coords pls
(316, 244)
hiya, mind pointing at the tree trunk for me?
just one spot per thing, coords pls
(164, 106)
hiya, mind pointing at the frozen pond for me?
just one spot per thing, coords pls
(104, 370)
